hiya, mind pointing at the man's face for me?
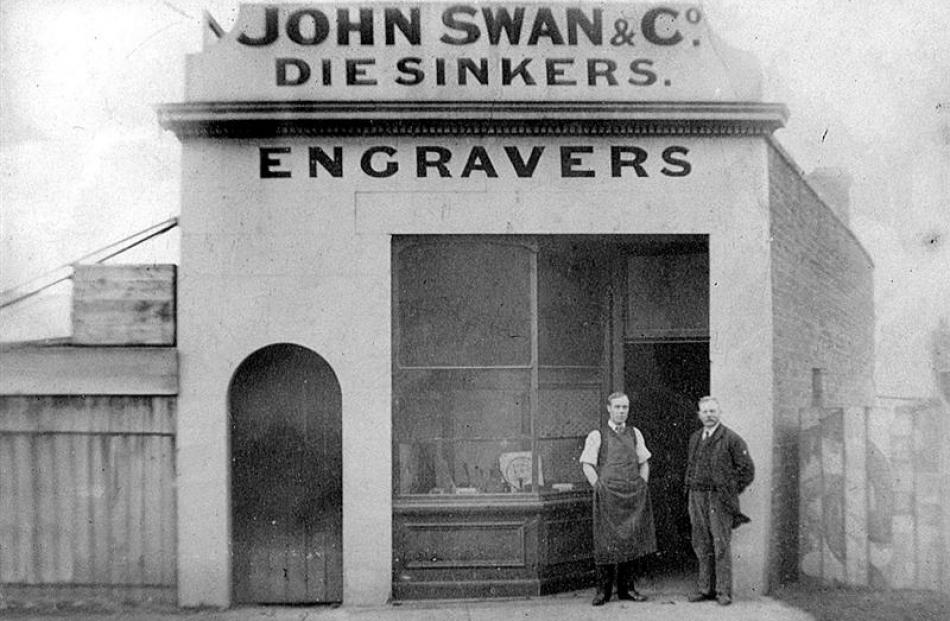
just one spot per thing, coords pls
(618, 409)
(709, 413)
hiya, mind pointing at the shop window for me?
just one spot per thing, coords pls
(498, 362)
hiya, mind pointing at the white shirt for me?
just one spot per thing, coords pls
(592, 446)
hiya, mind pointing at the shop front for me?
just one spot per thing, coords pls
(504, 350)
(412, 271)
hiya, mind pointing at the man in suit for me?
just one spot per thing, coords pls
(718, 470)
(616, 463)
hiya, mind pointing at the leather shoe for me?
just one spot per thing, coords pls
(724, 599)
(700, 597)
(599, 600)
(632, 596)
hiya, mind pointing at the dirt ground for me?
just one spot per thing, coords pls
(850, 604)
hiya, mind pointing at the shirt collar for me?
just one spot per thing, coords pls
(710, 432)
(613, 425)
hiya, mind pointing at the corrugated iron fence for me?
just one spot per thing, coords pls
(875, 496)
(87, 496)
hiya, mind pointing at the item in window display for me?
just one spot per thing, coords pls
(496, 482)
(516, 468)
(407, 470)
(442, 477)
(562, 487)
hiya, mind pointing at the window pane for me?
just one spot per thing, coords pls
(461, 403)
(571, 282)
(427, 466)
(559, 458)
(464, 303)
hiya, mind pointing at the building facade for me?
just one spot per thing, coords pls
(422, 242)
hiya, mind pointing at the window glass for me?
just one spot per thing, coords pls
(461, 413)
(571, 293)
(464, 304)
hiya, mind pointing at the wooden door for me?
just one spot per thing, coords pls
(286, 478)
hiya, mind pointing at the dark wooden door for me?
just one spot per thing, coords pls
(286, 478)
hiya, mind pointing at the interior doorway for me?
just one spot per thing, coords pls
(666, 370)
(665, 381)
(286, 478)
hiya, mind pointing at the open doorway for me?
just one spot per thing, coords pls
(666, 370)
(665, 380)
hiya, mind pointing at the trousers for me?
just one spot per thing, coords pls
(711, 537)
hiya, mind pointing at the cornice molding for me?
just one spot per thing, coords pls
(372, 118)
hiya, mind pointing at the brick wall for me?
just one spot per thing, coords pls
(823, 309)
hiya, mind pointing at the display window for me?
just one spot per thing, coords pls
(500, 360)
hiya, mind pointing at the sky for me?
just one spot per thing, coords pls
(83, 161)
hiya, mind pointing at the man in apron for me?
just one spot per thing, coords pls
(616, 463)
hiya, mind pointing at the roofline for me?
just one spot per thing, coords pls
(785, 155)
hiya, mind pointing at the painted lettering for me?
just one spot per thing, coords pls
(292, 71)
(467, 65)
(618, 162)
(409, 27)
(642, 75)
(683, 167)
(648, 26)
(450, 19)
(520, 70)
(423, 163)
(555, 74)
(318, 27)
(333, 165)
(478, 160)
(366, 162)
(545, 26)
(409, 67)
(601, 68)
(499, 19)
(270, 30)
(364, 26)
(569, 163)
(524, 168)
(269, 162)
(356, 71)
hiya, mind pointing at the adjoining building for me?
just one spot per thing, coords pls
(422, 242)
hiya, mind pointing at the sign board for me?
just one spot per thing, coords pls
(471, 52)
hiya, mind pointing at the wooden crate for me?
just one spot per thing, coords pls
(124, 305)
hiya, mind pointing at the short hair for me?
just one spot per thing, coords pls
(707, 399)
(615, 395)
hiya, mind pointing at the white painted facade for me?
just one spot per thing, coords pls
(307, 261)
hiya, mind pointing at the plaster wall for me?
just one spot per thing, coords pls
(306, 260)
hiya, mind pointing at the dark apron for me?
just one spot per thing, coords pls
(623, 516)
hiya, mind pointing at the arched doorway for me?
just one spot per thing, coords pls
(286, 478)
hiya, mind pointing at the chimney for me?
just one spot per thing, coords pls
(833, 185)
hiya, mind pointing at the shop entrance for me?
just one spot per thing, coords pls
(666, 371)
(504, 349)
(286, 478)
(666, 380)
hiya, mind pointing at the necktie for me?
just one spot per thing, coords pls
(620, 428)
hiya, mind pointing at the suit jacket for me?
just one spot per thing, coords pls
(732, 469)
